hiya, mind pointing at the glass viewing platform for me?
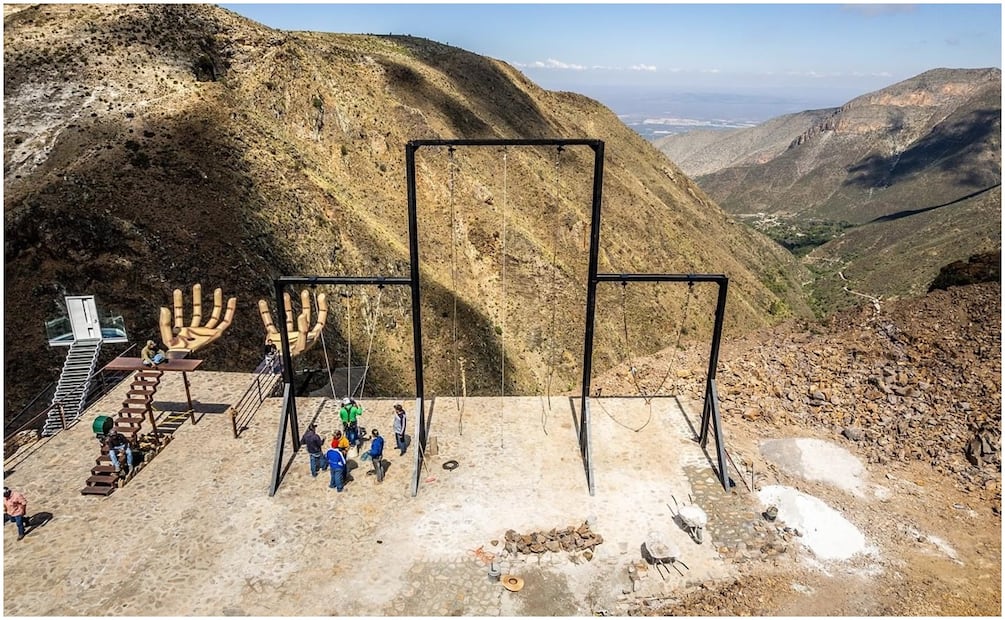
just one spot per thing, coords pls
(60, 331)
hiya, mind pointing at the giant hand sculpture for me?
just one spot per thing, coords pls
(300, 338)
(193, 337)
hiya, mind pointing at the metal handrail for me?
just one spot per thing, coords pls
(255, 395)
(44, 412)
(28, 406)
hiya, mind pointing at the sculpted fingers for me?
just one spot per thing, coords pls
(196, 305)
(179, 310)
(167, 336)
(217, 307)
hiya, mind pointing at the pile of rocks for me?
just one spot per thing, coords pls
(572, 539)
(916, 381)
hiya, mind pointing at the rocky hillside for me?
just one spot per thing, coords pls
(928, 140)
(916, 380)
(880, 192)
(151, 147)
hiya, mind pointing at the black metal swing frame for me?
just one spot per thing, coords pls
(710, 412)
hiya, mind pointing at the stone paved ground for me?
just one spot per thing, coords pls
(196, 533)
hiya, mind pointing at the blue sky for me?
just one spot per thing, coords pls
(817, 51)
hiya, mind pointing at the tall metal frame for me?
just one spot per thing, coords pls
(710, 412)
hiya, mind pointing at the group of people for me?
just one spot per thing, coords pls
(334, 458)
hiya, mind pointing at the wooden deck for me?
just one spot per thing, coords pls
(135, 363)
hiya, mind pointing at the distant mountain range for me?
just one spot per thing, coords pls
(879, 192)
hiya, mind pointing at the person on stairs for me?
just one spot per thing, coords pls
(151, 357)
(117, 444)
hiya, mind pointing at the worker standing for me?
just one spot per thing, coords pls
(15, 506)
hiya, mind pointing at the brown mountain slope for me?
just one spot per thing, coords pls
(880, 192)
(151, 147)
(930, 139)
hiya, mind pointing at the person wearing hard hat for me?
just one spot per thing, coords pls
(349, 413)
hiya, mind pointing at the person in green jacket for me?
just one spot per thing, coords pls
(349, 413)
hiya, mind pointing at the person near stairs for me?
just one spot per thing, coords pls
(150, 356)
(117, 445)
(15, 507)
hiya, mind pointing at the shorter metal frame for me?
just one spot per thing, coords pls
(710, 410)
(288, 418)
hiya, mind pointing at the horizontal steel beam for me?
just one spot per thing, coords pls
(314, 280)
(415, 144)
(661, 277)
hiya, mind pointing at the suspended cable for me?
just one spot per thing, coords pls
(503, 299)
(554, 274)
(453, 279)
(348, 343)
(633, 370)
(372, 324)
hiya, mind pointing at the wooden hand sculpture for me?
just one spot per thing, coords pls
(190, 338)
(300, 338)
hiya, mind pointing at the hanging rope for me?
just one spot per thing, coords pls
(324, 345)
(633, 370)
(453, 279)
(372, 324)
(680, 332)
(600, 402)
(504, 298)
(554, 275)
(348, 343)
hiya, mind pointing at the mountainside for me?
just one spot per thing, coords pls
(884, 190)
(151, 147)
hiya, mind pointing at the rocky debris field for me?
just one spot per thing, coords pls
(911, 388)
(914, 380)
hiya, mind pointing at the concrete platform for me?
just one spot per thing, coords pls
(195, 532)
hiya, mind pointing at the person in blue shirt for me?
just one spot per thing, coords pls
(336, 463)
(376, 453)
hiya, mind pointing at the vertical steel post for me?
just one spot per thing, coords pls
(413, 257)
(591, 307)
(290, 411)
(713, 359)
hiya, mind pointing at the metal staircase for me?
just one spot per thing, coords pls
(74, 384)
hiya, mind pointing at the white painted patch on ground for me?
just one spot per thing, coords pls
(824, 530)
(818, 460)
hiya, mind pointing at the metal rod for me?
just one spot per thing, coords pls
(283, 419)
(414, 145)
(413, 282)
(591, 309)
(661, 277)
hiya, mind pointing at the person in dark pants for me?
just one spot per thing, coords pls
(313, 442)
(376, 454)
(15, 506)
(336, 462)
(399, 428)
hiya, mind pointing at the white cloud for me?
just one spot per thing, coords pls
(551, 63)
(642, 68)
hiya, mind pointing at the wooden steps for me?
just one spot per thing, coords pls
(135, 409)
